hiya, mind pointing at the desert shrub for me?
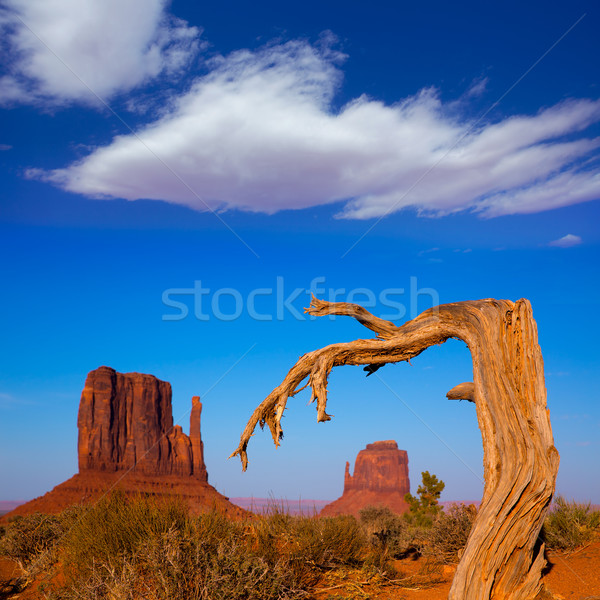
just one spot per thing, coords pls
(115, 527)
(124, 548)
(570, 525)
(308, 545)
(209, 565)
(325, 542)
(448, 534)
(390, 536)
(387, 531)
(30, 540)
(341, 540)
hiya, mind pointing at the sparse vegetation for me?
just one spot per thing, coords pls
(125, 548)
(570, 525)
(425, 530)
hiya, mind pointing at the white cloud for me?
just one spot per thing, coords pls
(258, 133)
(567, 241)
(5, 147)
(59, 48)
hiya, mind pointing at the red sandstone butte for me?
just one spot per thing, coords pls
(380, 479)
(126, 422)
(127, 441)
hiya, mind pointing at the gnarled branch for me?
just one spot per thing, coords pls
(319, 308)
(503, 557)
(317, 365)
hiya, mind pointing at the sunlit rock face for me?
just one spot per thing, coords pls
(126, 423)
(127, 442)
(380, 478)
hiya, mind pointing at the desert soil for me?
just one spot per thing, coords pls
(568, 576)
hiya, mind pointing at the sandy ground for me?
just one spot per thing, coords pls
(574, 576)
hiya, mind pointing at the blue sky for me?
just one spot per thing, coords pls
(392, 155)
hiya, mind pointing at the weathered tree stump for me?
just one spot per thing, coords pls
(504, 556)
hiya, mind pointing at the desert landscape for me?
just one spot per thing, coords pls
(298, 300)
(141, 520)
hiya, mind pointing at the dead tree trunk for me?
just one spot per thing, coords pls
(504, 555)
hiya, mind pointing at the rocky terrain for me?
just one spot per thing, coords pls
(380, 478)
(127, 441)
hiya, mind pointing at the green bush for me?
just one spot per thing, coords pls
(395, 536)
(425, 508)
(570, 525)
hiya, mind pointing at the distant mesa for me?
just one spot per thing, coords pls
(126, 422)
(127, 441)
(380, 478)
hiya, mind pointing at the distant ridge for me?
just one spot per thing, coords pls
(261, 505)
(8, 505)
(292, 507)
(307, 506)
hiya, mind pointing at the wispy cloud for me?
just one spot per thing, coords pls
(477, 88)
(112, 46)
(5, 147)
(428, 251)
(567, 241)
(259, 133)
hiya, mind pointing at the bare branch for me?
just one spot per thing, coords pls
(316, 365)
(382, 327)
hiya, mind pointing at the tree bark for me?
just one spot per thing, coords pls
(504, 556)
